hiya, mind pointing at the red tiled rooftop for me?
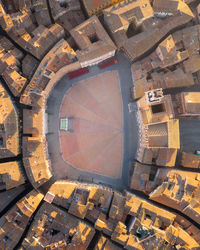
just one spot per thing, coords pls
(95, 145)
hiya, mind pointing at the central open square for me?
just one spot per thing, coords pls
(92, 136)
(95, 142)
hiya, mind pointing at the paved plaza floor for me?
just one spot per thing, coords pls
(104, 139)
(96, 142)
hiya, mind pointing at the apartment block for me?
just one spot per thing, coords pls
(174, 64)
(9, 126)
(127, 219)
(93, 42)
(189, 160)
(96, 7)
(14, 222)
(11, 175)
(53, 228)
(67, 13)
(187, 104)
(137, 26)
